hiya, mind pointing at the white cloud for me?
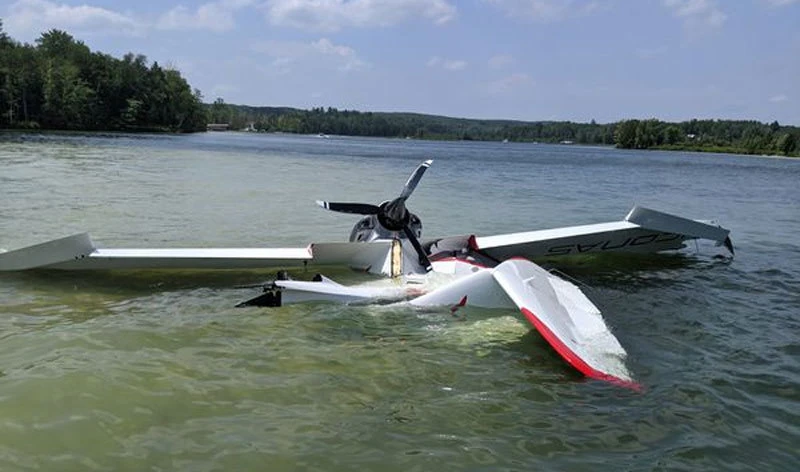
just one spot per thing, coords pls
(454, 64)
(344, 54)
(212, 16)
(697, 13)
(288, 55)
(779, 98)
(545, 10)
(447, 64)
(650, 53)
(27, 19)
(509, 83)
(500, 61)
(333, 15)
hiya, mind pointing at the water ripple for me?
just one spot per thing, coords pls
(148, 370)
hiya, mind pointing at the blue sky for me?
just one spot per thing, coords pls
(519, 59)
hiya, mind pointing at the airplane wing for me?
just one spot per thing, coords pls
(557, 309)
(78, 252)
(643, 230)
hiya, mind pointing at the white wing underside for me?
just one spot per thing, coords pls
(78, 252)
(642, 230)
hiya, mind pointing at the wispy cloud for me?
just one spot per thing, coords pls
(501, 60)
(509, 83)
(323, 53)
(212, 16)
(546, 10)
(26, 19)
(697, 13)
(782, 3)
(29, 18)
(333, 15)
(447, 64)
(650, 53)
(779, 98)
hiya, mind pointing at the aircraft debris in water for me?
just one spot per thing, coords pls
(452, 271)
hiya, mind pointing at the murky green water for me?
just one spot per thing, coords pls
(158, 371)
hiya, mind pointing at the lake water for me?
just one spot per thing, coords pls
(158, 371)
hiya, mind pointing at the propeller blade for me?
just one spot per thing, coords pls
(396, 213)
(423, 258)
(414, 179)
(354, 208)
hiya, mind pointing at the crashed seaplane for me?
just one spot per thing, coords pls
(452, 272)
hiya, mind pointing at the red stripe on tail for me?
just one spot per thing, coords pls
(573, 359)
(454, 308)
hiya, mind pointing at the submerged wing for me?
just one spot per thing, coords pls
(558, 310)
(643, 230)
(322, 289)
(78, 252)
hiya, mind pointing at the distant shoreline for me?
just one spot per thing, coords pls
(730, 136)
(668, 148)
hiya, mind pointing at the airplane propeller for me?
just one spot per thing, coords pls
(393, 214)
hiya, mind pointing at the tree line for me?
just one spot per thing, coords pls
(748, 137)
(59, 83)
(738, 136)
(414, 125)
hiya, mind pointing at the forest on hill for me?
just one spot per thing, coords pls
(59, 83)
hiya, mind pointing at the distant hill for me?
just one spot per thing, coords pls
(402, 124)
(734, 136)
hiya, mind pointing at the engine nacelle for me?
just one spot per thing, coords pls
(369, 229)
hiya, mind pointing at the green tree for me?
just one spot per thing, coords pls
(5, 40)
(755, 138)
(672, 134)
(646, 134)
(220, 112)
(66, 96)
(625, 134)
(787, 143)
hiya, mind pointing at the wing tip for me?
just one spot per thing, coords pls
(460, 304)
(573, 359)
(729, 245)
